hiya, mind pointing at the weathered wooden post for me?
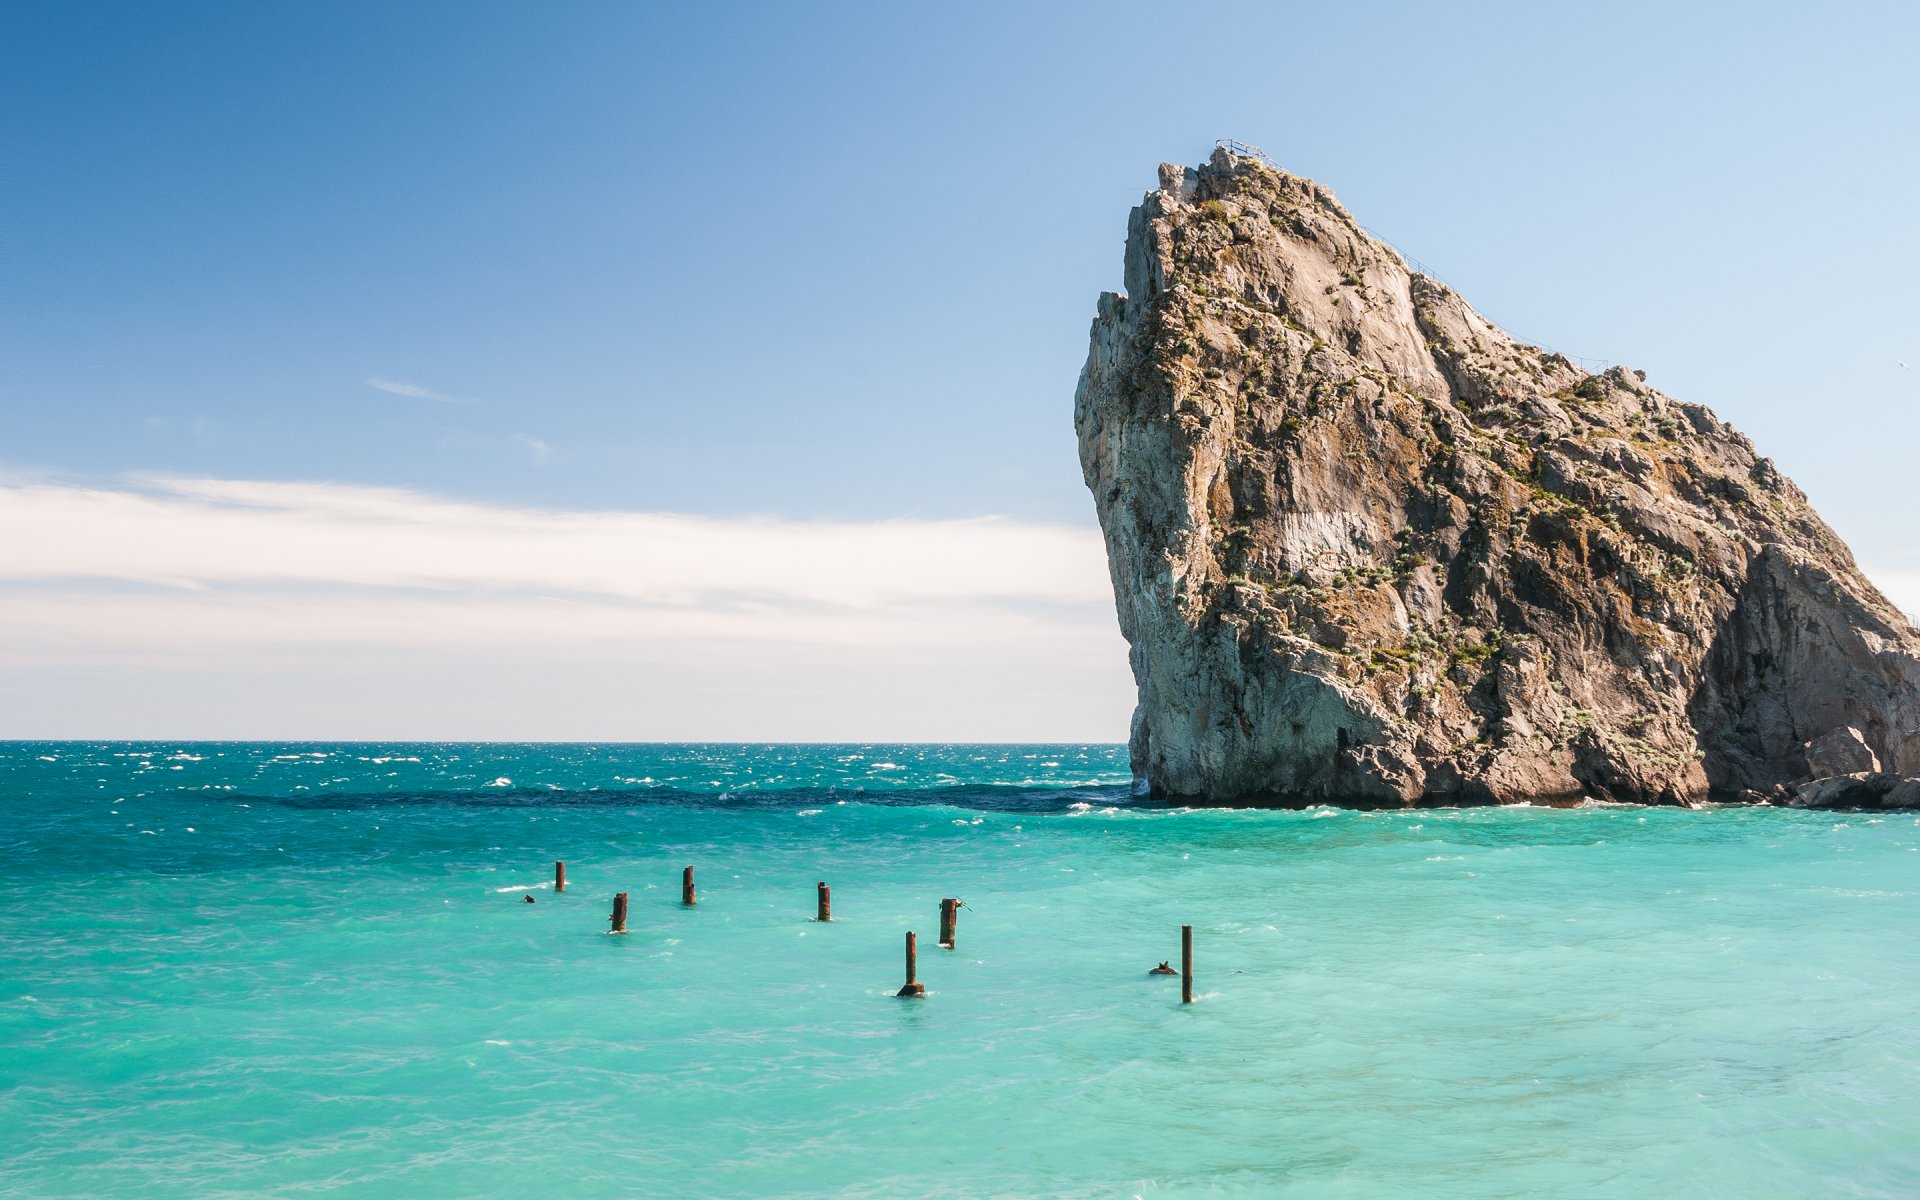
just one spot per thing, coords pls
(686, 887)
(559, 877)
(619, 913)
(1186, 964)
(826, 903)
(949, 920)
(914, 987)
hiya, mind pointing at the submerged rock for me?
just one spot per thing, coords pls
(1369, 549)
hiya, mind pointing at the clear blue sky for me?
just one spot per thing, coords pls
(817, 259)
(838, 261)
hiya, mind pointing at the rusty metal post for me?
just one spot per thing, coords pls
(686, 887)
(914, 987)
(949, 920)
(826, 903)
(619, 913)
(559, 877)
(1186, 964)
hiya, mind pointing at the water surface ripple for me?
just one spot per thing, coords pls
(282, 970)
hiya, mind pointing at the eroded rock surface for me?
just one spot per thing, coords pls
(1840, 752)
(1861, 789)
(1369, 549)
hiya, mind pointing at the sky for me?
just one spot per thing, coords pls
(655, 372)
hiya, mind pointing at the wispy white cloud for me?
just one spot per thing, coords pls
(413, 391)
(537, 450)
(212, 532)
(639, 625)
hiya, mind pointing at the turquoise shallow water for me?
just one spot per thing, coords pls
(264, 970)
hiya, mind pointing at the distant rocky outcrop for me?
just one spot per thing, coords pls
(1369, 549)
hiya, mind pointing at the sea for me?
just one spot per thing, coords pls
(248, 969)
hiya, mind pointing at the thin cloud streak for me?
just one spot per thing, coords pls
(413, 391)
(537, 450)
(211, 532)
(251, 595)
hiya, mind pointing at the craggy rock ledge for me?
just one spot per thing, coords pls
(1370, 550)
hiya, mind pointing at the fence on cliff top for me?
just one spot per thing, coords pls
(1245, 151)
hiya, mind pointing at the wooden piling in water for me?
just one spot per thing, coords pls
(559, 877)
(686, 887)
(913, 987)
(619, 913)
(949, 921)
(1186, 964)
(826, 903)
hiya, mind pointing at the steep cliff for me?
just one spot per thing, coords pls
(1369, 549)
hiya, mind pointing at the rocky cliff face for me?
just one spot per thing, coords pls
(1369, 549)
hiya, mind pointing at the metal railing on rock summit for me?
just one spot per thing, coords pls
(1245, 151)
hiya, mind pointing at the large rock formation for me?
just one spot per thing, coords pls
(1369, 549)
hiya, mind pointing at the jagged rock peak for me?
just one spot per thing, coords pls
(1369, 549)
